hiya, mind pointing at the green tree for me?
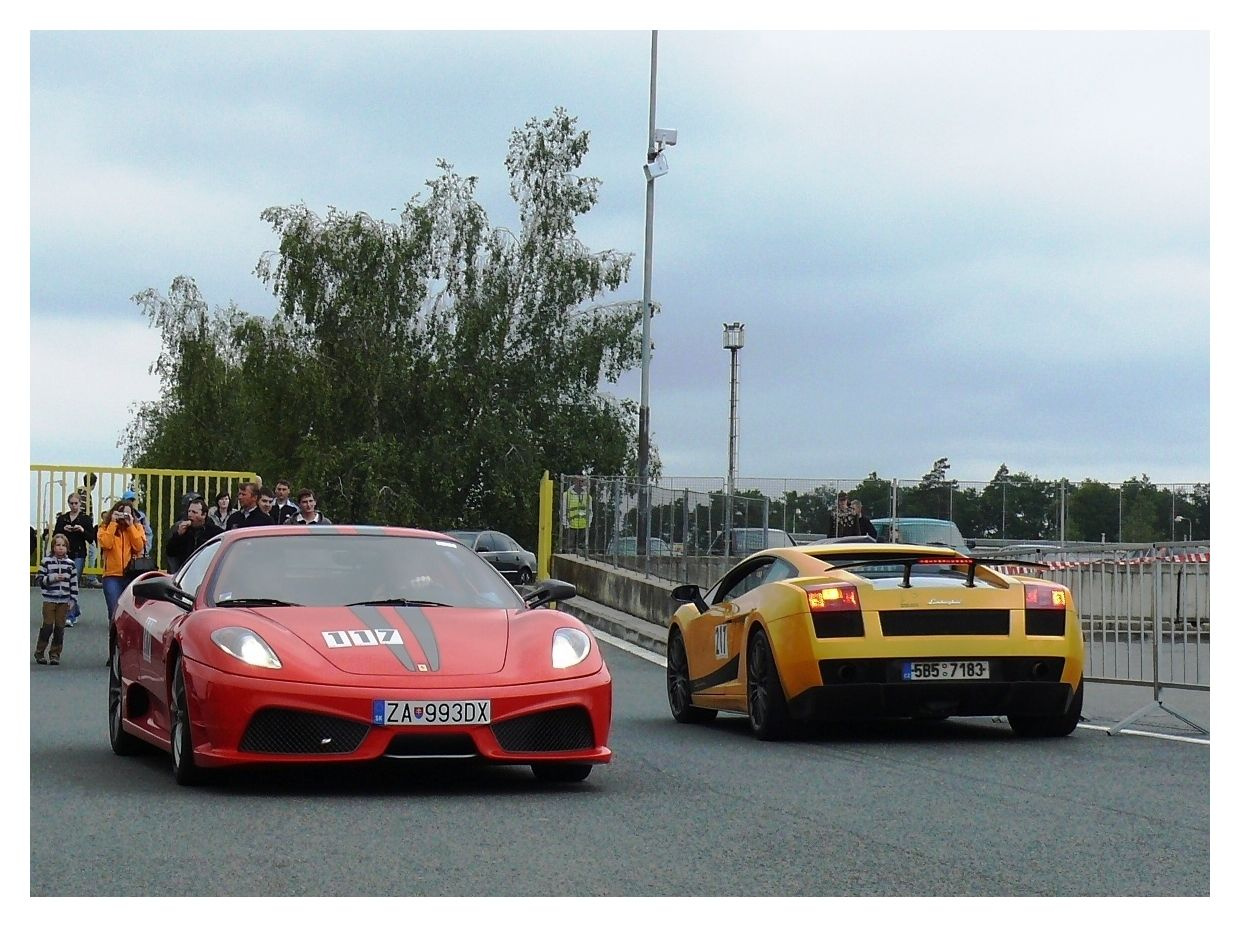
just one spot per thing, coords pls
(1093, 512)
(420, 371)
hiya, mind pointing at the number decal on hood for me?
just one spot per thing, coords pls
(369, 637)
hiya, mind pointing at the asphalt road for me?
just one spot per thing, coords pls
(951, 808)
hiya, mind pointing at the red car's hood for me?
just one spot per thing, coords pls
(399, 640)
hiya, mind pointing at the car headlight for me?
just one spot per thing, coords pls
(569, 646)
(246, 646)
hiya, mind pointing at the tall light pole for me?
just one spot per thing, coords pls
(1180, 518)
(733, 341)
(656, 166)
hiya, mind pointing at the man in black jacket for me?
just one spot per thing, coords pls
(189, 534)
(285, 508)
(248, 514)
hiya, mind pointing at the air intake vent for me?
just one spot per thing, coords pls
(945, 621)
(408, 746)
(281, 730)
(546, 732)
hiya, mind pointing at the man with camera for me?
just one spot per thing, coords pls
(189, 534)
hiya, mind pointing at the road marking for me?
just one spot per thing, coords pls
(661, 661)
(630, 648)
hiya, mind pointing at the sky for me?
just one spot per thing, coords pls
(989, 245)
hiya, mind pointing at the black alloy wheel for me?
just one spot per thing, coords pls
(1053, 726)
(561, 772)
(768, 709)
(524, 576)
(186, 771)
(679, 689)
(123, 743)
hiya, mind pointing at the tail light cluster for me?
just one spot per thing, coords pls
(1045, 596)
(1045, 610)
(836, 610)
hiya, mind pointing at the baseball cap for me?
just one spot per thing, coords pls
(128, 495)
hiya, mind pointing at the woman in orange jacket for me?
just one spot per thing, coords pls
(120, 539)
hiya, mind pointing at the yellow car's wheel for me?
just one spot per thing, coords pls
(1061, 726)
(764, 694)
(679, 689)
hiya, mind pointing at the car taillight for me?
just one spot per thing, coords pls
(1046, 597)
(836, 610)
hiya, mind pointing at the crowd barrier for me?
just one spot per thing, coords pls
(159, 493)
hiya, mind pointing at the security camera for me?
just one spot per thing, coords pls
(665, 136)
(656, 168)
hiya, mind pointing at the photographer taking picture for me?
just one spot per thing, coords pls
(121, 538)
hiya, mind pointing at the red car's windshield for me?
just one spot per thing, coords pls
(345, 569)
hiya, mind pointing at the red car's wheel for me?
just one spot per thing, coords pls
(123, 743)
(186, 771)
(679, 689)
(768, 709)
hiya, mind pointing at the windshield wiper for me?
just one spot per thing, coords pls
(244, 602)
(423, 602)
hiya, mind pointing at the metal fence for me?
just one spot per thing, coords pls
(158, 492)
(1145, 608)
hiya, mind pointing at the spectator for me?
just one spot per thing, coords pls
(845, 521)
(132, 498)
(266, 502)
(864, 525)
(248, 514)
(308, 514)
(77, 526)
(285, 508)
(190, 534)
(58, 577)
(120, 539)
(221, 510)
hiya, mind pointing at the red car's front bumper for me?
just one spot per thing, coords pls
(242, 719)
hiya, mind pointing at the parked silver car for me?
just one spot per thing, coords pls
(516, 563)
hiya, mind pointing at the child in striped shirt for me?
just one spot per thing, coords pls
(58, 577)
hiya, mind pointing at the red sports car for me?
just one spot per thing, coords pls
(347, 644)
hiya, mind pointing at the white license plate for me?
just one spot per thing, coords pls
(946, 669)
(436, 714)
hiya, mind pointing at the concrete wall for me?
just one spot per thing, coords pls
(646, 597)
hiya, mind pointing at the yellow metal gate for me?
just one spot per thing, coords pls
(159, 494)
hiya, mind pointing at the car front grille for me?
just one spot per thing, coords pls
(282, 730)
(915, 622)
(546, 731)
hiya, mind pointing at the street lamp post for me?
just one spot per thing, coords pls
(733, 341)
(655, 166)
(1180, 518)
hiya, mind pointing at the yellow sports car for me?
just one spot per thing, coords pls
(847, 631)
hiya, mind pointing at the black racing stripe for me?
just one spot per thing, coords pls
(422, 631)
(370, 616)
(726, 673)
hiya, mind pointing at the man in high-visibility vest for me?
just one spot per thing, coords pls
(575, 514)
